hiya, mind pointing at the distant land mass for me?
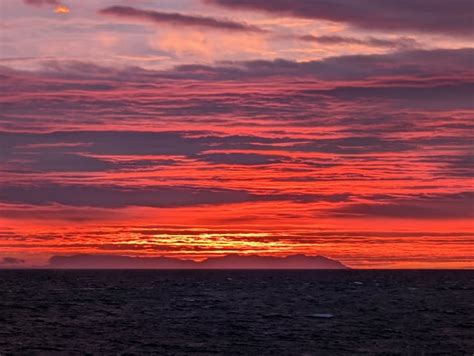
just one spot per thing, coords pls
(84, 261)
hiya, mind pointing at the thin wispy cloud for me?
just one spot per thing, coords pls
(398, 43)
(178, 19)
(42, 2)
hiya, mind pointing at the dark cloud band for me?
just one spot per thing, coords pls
(158, 17)
(431, 16)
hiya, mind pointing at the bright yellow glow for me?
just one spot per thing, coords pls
(61, 9)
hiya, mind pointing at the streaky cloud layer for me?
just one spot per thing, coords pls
(435, 16)
(158, 17)
(302, 127)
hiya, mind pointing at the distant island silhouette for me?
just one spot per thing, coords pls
(84, 261)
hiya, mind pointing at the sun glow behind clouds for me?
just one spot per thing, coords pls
(61, 9)
(177, 136)
(205, 242)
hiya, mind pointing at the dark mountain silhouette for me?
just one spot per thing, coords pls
(226, 262)
(125, 262)
(260, 262)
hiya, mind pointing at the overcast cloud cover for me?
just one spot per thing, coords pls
(194, 129)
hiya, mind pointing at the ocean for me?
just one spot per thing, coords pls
(241, 312)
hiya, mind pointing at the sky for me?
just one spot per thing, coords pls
(201, 128)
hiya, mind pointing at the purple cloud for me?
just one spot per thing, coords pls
(436, 206)
(102, 196)
(42, 2)
(178, 19)
(431, 16)
(400, 43)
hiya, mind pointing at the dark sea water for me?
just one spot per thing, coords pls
(237, 312)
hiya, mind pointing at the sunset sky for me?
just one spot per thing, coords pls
(199, 128)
